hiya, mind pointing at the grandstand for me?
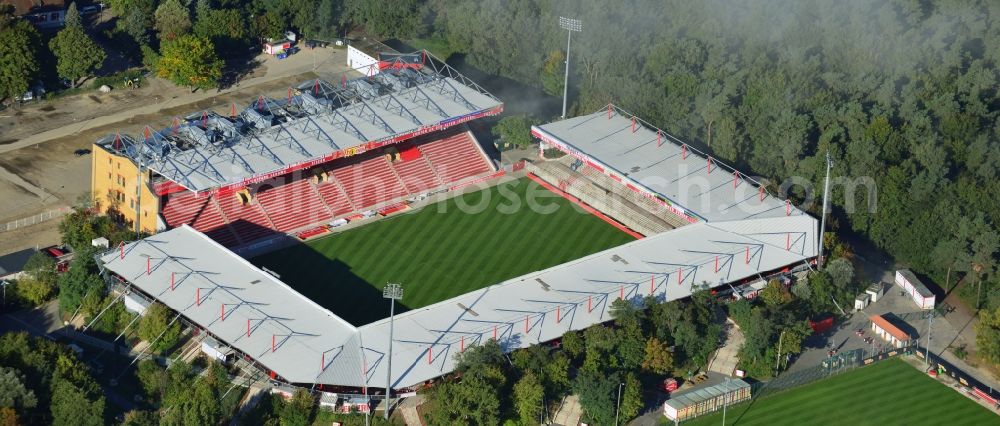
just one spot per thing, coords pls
(706, 226)
(285, 166)
(659, 169)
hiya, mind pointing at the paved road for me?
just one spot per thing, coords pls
(326, 62)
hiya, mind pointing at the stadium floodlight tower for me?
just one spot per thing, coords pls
(569, 25)
(393, 292)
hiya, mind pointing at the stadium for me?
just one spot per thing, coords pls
(229, 201)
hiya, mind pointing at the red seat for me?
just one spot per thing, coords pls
(455, 157)
(292, 205)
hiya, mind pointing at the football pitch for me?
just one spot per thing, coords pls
(887, 393)
(442, 250)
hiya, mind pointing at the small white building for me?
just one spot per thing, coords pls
(889, 332)
(215, 350)
(100, 242)
(328, 400)
(135, 303)
(920, 294)
(277, 47)
(862, 301)
(876, 290)
(363, 56)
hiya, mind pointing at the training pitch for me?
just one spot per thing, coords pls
(442, 250)
(887, 393)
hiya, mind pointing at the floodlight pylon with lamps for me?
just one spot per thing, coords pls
(570, 25)
(393, 292)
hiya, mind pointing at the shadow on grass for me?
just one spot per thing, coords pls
(330, 283)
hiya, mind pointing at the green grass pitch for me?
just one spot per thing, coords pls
(887, 393)
(440, 251)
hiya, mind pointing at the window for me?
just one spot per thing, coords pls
(109, 175)
(54, 16)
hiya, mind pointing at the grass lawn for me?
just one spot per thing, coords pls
(441, 251)
(887, 393)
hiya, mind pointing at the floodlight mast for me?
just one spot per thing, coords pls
(392, 291)
(569, 25)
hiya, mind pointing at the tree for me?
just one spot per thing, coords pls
(552, 73)
(841, 272)
(158, 328)
(775, 294)
(8, 417)
(141, 418)
(597, 393)
(476, 398)
(629, 350)
(190, 61)
(296, 412)
(988, 335)
(34, 291)
(136, 23)
(228, 29)
(77, 56)
(385, 18)
(802, 290)
(659, 359)
(572, 344)
(528, 394)
(80, 280)
(515, 130)
(631, 402)
(172, 19)
(76, 405)
(326, 20)
(19, 44)
(557, 375)
(13, 393)
(72, 18)
(473, 401)
(153, 378)
(791, 339)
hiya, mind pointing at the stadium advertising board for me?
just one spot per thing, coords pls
(629, 183)
(351, 151)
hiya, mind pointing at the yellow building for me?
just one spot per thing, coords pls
(114, 182)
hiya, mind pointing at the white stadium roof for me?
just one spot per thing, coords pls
(522, 311)
(317, 122)
(654, 160)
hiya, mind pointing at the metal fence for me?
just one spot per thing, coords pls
(35, 219)
(837, 364)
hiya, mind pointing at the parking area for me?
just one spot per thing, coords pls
(844, 335)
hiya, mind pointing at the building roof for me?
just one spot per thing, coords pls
(915, 282)
(23, 7)
(651, 158)
(318, 121)
(533, 308)
(13, 263)
(697, 395)
(226, 283)
(890, 328)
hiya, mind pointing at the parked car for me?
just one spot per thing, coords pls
(90, 9)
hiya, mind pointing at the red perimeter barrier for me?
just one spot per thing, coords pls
(584, 206)
(388, 210)
(312, 232)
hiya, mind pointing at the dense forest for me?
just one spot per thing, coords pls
(902, 92)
